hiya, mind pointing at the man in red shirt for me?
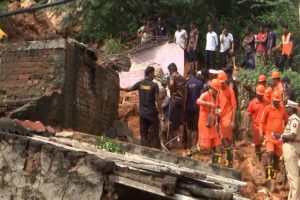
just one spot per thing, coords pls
(273, 120)
(227, 104)
(261, 46)
(255, 110)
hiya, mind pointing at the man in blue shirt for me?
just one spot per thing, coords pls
(193, 91)
(271, 41)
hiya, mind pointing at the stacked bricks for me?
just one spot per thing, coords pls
(63, 83)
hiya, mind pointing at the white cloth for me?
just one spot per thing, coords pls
(181, 37)
(227, 40)
(211, 41)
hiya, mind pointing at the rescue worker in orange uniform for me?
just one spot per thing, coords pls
(227, 103)
(262, 80)
(273, 120)
(255, 110)
(287, 45)
(277, 84)
(208, 137)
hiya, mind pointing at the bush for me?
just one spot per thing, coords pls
(248, 80)
(113, 46)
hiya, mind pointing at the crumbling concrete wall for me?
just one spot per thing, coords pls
(34, 170)
(58, 82)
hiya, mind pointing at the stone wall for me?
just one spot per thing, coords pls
(58, 82)
(31, 169)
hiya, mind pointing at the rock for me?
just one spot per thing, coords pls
(27, 3)
(65, 134)
(248, 190)
(253, 171)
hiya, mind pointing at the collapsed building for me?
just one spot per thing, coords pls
(59, 83)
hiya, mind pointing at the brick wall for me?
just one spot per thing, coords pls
(62, 84)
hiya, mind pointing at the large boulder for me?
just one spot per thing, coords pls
(253, 171)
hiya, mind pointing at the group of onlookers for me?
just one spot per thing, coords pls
(261, 46)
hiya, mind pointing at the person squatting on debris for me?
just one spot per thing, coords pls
(255, 110)
(148, 97)
(208, 137)
(273, 121)
(291, 149)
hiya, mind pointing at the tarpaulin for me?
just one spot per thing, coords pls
(158, 57)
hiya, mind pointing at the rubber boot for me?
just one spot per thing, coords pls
(194, 150)
(269, 172)
(228, 157)
(216, 159)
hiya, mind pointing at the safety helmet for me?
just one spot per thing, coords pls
(260, 89)
(261, 78)
(276, 96)
(222, 76)
(215, 84)
(275, 74)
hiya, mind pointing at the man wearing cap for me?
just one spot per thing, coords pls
(227, 103)
(208, 137)
(277, 84)
(291, 149)
(148, 95)
(262, 80)
(273, 120)
(255, 110)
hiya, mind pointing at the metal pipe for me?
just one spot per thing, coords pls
(33, 9)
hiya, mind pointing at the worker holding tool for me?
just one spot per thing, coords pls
(272, 121)
(226, 101)
(208, 138)
(255, 110)
(291, 149)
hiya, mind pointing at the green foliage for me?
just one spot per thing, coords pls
(3, 8)
(109, 145)
(113, 46)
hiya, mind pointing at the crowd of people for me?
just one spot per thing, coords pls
(199, 114)
(261, 46)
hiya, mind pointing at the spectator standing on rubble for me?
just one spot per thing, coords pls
(273, 121)
(181, 37)
(248, 45)
(177, 89)
(271, 43)
(148, 97)
(160, 30)
(291, 149)
(288, 90)
(146, 32)
(261, 46)
(210, 48)
(287, 45)
(227, 48)
(227, 104)
(193, 89)
(193, 46)
(255, 111)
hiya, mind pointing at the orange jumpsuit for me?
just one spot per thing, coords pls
(208, 137)
(227, 104)
(255, 110)
(279, 87)
(273, 120)
(268, 94)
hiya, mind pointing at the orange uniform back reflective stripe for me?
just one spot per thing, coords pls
(287, 45)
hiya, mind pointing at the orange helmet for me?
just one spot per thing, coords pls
(276, 96)
(260, 89)
(275, 74)
(215, 84)
(262, 78)
(222, 76)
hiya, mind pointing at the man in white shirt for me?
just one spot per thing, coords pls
(181, 36)
(227, 47)
(211, 44)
